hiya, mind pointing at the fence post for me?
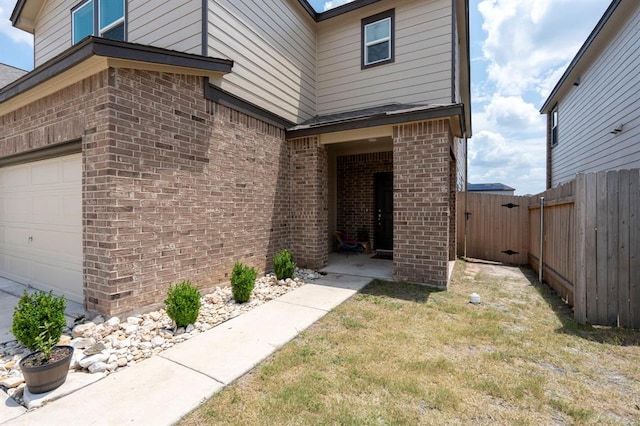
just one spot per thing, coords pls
(580, 284)
(541, 239)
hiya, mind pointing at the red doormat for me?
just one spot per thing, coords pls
(385, 256)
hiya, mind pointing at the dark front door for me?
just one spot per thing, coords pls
(383, 184)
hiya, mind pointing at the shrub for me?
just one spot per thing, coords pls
(38, 321)
(283, 265)
(243, 279)
(183, 303)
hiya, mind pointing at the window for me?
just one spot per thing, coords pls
(101, 18)
(554, 126)
(377, 39)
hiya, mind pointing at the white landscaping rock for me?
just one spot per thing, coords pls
(98, 367)
(93, 359)
(114, 344)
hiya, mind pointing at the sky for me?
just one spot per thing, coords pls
(519, 49)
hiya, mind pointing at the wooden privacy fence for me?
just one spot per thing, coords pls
(590, 242)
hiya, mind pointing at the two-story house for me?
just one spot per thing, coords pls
(157, 141)
(593, 112)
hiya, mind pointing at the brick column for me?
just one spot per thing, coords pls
(309, 202)
(421, 162)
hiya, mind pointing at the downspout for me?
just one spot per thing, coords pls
(541, 239)
(466, 192)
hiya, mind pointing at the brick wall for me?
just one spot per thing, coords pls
(355, 190)
(175, 187)
(421, 155)
(310, 202)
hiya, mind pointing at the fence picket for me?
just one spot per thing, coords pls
(591, 241)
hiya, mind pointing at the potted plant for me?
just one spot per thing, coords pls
(38, 322)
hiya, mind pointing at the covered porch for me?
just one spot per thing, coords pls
(390, 171)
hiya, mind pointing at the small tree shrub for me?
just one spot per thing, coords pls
(38, 321)
(243, 279)
(283, 265)
(183, 303)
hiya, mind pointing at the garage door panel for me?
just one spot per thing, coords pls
(72, 171)
(43, 173)
(17, 208)
(41, 224)
(16, 177)
(57, 244)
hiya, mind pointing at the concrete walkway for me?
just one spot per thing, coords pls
(162, 389)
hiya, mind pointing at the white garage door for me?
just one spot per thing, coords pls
(41, 225)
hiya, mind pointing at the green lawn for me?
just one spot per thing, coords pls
(401, 354)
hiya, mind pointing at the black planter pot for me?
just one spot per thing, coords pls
(45, 378)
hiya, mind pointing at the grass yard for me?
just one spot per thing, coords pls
(402, 354)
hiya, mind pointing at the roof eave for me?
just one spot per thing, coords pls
(456, 111)
(551, 99)
(92, 46)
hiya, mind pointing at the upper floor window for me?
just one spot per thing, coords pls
(377, 39)
(554, 126)
(101, 18)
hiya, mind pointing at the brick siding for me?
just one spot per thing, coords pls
(355, 190)
(174, 187)
(421, 155)
(310, 202)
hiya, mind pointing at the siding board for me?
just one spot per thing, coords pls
(53, 30)
(423, 31)
(148, 23)
(608, 94)
(273, 47)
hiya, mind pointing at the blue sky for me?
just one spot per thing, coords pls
(519, 49)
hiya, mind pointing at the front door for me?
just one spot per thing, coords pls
(383, 234)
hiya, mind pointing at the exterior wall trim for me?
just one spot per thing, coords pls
(95, 46)
(218, 95)
(58, 150)
(382, 120)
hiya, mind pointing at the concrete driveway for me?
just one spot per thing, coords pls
(10, 293)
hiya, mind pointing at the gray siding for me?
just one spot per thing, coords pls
(170, 24)
(53, 30)
(420, 73)
(608, 94)
(272, 44)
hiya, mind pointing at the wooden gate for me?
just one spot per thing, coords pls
(493, 227)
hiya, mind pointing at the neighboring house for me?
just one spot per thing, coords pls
(157, 141)
(9, 74)
(593, 113)
(490, 188)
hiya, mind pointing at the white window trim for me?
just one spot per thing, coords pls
(377, 41)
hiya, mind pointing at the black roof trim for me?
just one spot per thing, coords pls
(17, 11)
(218, 95)
(383, 119)
(44, 153)
(336, 11)
(94, 46)
(599, 26)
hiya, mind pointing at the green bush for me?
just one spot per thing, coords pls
(243, 279)
(283, 265)
(38, 321)
(183, 303)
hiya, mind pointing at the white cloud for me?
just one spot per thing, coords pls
(517, 163)
(527, 41)
(335, 3)
(527, 46)
(16, 35)
(513, 114)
